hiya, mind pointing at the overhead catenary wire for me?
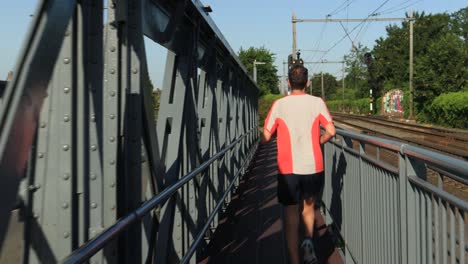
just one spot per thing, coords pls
(401, 6)
(354, 28)
(318, 42)
(340, 8)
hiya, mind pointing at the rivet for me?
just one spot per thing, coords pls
(66, 118)
(93, 176)
(66, 89)
(93, 147)
(112, 162)
(191, 211)
(112, 116)
(65, 147)
(135, 70)
(65, 205)
(66, 234)
(112, 93)
(112, 185)
(66, 176)
(93, 118)
(178, 224)
(67, 33)
(191, 196)
(113, 207)
(112, 49)
(112, 139)
(36, 216)
(112, 71)
(40, 155)
(66, 60)
(93, 205)
(178, 238)
(43, 124)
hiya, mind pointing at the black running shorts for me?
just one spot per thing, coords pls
(294, 188)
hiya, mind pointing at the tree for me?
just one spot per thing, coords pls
(156, 94)
(330, 85)
(392, 53)
(459, 23)
(267, 79)
(443, 69)
(356, 71)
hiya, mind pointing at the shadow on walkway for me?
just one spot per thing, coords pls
(251, 229)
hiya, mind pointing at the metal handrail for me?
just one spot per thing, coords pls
(448, 164)
(93, 246)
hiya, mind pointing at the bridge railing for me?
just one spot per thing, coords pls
(389, 201)
(91, 247)
(79, 141)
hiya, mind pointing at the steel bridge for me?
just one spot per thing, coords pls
(88, 174)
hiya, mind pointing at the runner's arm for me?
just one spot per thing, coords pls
(330, 132)
(266, 136)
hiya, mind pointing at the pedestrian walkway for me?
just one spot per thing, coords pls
(251, 229)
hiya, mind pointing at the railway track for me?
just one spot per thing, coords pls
(448, 141)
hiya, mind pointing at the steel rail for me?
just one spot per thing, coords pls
(443, 132)
(452, 165)
(439, 147)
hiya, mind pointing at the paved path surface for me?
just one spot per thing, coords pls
(251, 229)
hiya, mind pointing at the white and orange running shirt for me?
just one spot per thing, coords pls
(297, 119)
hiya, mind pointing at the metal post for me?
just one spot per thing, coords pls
(311, 85)
(294, 50)
(342, 84)
(323, 89)
(411, 114)
(285, 88)
(255, 71)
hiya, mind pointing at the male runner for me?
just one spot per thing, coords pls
(296, 119)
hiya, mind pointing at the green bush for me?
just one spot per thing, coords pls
(450, 109)
(358, 106)
(264, 105)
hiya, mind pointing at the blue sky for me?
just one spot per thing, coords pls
(257, 23)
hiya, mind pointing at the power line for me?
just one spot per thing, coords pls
(341, 9)
(367, 18)
(399, 9)
(317, 43)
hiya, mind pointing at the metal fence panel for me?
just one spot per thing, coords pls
(391, 213)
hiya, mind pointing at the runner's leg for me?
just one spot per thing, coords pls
(291, 230)
(308, 216)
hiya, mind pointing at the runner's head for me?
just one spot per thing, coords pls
(297, 76)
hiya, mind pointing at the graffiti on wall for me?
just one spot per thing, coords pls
(392, 102)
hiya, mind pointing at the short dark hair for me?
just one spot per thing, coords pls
(298, 75)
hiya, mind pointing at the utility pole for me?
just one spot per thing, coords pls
(340, 20)
(285, 86)
(294, 48)
(342, 83)
(323, 90)
(411, 113)
(255, 69)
